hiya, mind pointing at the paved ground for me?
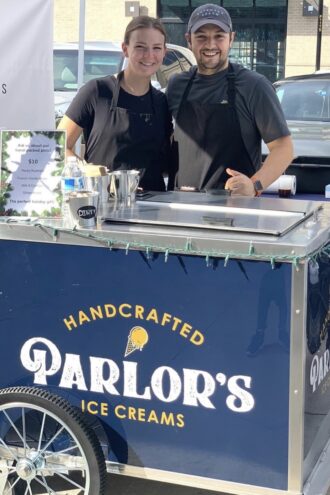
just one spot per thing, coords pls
(124, 485)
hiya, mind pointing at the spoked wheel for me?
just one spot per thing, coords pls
(8, 490)
(45, 446)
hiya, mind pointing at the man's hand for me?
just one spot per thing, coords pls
(239, 183)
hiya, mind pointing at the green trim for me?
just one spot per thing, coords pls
(150, 248)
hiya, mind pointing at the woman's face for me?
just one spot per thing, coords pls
(145, 51)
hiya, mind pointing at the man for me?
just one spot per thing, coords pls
(222, 111)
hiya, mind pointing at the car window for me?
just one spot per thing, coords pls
(170, 66)
(96, 64)
(305, 100)
(184, 62)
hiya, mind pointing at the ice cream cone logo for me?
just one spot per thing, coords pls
(137, 339)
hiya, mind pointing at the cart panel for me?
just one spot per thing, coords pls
(159, 351)
(317, 396)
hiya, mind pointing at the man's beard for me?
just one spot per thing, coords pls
(221, 64)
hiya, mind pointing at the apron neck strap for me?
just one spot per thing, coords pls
(187, 89)
(115, 93)
(231, 76)
(116, 90)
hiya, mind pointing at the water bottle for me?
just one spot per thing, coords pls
(71, 180)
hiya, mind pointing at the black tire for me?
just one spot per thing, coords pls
(47, 445)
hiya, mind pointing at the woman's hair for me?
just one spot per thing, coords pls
(142, 22)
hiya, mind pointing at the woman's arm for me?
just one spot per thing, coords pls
(73, 132)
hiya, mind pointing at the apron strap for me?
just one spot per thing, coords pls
(231, 77)
(187, 89)
(116, 90)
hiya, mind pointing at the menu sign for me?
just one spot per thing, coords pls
(31, 166)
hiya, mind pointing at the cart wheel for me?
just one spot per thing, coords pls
(8, 490)
(45, 446)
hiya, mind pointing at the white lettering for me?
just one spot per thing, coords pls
(191, 394)
(130, 382)
(157, 383)
(72, 373)
(245, 399)
(98, 382)
(196, 387)
(38, 363)
(319, 369)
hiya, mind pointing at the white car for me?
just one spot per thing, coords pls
(102, 58)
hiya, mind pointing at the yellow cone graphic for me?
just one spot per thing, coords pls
(137, 339)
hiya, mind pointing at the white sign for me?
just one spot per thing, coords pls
(32, 162)
(26, 64)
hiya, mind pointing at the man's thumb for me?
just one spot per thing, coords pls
(232, 172)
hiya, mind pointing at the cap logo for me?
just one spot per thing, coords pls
(208, 12)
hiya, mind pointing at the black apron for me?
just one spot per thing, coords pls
(135, 141)
(209, 140)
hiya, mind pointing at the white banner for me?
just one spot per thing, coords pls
(26, 64)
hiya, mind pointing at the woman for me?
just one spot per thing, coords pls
(125, 121)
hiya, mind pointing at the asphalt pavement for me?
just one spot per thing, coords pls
(125, 485)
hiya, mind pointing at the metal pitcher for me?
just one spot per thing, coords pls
(101, 184)
(123, 186)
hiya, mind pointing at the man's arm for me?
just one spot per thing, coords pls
(279, 158)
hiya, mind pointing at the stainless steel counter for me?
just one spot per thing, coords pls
(205, 211)
(199, 223)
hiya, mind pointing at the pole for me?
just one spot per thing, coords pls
(81, 43)
(319, 36)
(81, 58)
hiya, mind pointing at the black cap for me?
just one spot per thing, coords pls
(210, 14)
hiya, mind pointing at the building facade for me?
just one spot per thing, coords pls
(274, 37)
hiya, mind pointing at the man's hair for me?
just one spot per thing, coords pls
(142, 22)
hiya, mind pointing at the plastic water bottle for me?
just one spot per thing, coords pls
(71, 180)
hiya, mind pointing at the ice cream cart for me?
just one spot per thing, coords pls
(184, 339)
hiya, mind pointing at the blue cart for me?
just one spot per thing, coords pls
(184, 340)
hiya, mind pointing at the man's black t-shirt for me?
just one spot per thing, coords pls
(258, 108)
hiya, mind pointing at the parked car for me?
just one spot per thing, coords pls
(103, 58)
(305, 101)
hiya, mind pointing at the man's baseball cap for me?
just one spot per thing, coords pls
(210, 14)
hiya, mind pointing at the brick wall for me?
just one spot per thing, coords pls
(302, 37)
(105, 19)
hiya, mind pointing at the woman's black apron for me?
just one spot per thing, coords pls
(209, 140)
(136, 140)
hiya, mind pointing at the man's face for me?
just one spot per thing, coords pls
(210, 46)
